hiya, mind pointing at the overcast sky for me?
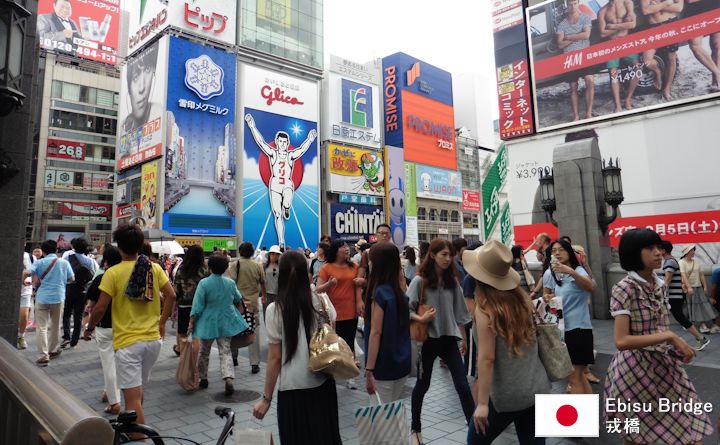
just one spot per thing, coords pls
(454, 35)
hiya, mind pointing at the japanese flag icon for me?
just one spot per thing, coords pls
(567, 415)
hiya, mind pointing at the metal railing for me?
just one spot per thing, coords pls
(34, 409)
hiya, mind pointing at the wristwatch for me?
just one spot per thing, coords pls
(266, 398)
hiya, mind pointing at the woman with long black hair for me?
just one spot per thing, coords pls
(436, 285)
(387, 326)
(307, 409)
(191, 271)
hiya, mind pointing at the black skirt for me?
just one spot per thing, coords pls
(580, 346)
(309, 416)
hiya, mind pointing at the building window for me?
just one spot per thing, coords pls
(443, 215)
(422, 237)
(421, 214)
(455, 216)
(433, 215)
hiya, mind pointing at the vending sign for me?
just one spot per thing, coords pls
(88, 29)
(57, 148)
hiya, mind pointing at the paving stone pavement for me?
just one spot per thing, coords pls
(175, 412)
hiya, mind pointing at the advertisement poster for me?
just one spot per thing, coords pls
(62, 178)
(354, 170)
(470, 201)
(352, 222)
(61, 149)
(212, 19)
(410, 190)
(88, 29)
(437, 183)
(85, 211)
(395, 197)
(200, 143)
(140, 114)
(147, 18)
(148, 200)
(280, 159)
(589, 63)
(491, 187)
(63, 238)
(96, 180)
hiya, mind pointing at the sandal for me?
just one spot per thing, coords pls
(112, 409)
(416, 438)
(592, 378)
(176, 350)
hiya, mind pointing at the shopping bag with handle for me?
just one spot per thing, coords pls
(250, 436)
(382, 424)
(187, 375)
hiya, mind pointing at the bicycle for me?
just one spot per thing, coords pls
(125, 425)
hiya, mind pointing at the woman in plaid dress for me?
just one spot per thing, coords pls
(648, 364)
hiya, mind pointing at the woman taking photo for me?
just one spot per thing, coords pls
(336, 278)
(215, 317)
(509, 369)
(649, 362)
(191, 271)
(520, 266)
(436, 285)
(307, 407)
(409, 265)
(271, 277)
(573, 287)
(387, 326)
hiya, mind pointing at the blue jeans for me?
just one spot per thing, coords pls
(524, 421)
(447, 349)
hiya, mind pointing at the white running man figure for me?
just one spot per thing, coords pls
(282, 162)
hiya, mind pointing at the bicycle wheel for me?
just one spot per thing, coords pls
(124, 432)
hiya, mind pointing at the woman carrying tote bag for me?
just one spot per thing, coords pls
(509, 369)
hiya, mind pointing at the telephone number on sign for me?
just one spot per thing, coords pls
(81, 51)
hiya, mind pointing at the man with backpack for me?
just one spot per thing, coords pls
(84, 269)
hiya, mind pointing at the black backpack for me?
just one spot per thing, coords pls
(83, 274)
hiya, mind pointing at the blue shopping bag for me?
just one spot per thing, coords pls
(382, 424)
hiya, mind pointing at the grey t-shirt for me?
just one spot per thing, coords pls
(567, 28)
(449, 304)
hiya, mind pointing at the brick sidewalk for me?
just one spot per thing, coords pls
(174, 412)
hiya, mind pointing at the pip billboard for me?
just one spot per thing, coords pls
(141, 109)
(418, 110)
(87, 29)
(626, 61)
(438, 183)
(200, 141)
(352, 222)
(355, 170)
(395, 196)
(280, 159)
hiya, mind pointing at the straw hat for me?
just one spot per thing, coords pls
(275, 249)
(687, 250)
(492, 264)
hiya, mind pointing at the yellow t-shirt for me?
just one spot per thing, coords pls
(133, 321)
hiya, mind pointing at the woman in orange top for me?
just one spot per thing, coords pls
(336, 278)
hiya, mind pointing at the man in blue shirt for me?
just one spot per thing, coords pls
(50, 276)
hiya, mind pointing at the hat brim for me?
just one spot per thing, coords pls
(500, 282)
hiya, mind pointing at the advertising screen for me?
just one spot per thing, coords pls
(429, 131)
(597, 59)
(395, 196)
(200, 141)
(354, 170)
(352, 222)
(140, 114)
(437, 183)
(63, 237)
(280, 159)
(87, 29)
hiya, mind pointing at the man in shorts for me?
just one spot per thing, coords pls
(710, 61)
(25, 302)
(616, 20)
(659, 12)
(573, 33)
(133, 288)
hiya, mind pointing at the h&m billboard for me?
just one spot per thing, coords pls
(281, 169)
(418, 110)
(85, 29)
(211, 19)
(352, 104)
(592, 59)
(200, 144)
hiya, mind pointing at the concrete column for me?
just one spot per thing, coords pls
(16, 141)
(580, 197)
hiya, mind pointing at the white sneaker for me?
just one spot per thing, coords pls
(350, 384)
(715, 329)
(704, 330)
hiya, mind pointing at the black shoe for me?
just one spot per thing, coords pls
(55, 354)
(65, 343)
(235, 363)
(286, 213)
(229, 388)
(203, 383)
(255, 369)
(176, 350)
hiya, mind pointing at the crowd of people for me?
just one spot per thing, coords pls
(479, 303)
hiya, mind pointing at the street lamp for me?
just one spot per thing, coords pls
(547, 194)
(13, 24)
(612, 181)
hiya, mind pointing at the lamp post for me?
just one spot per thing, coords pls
(547, 194)
(612, 182)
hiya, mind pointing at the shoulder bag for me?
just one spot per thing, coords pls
(552, 351)
(42, 277)
(419, 329)
(529, 279)
(329, 353)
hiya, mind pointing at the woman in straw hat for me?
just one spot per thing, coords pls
(694, 285)
(509, 369)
